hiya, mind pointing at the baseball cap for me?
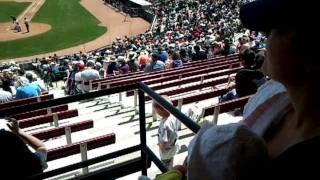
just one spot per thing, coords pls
(155, 53)
(81, 66)
(264, 15)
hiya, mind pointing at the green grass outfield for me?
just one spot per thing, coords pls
(71, 25)
(8, 9)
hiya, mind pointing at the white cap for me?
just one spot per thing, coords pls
(98, 64)
(120, 58)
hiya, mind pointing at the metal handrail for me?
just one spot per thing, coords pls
(69, 99)
(86, 163)
(174, 111)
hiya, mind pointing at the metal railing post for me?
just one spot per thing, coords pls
(135, 100)
(143, 134)
(90, 85)
(84, 156)
(120, 96)
(154, 114)
(55, 120)
(49, 111)
(180, 103)
(216, 115)
(67, 131)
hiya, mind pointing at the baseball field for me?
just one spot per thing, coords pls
(69, 23)
(8, 9)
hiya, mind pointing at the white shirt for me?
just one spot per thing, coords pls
(168, 134)
(167, 130)
(87, 75)
(5, 96)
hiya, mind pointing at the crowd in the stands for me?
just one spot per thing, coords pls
(15, 83)
(184, 31)
(279, 135)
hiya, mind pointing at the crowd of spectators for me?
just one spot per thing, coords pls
(279, 138)
(15, 83)
(184, 31)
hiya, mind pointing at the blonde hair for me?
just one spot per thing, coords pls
(156, 105)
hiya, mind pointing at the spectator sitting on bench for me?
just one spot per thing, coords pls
(26, 89)
(18, 162)
(70, 84)
(176, 60)
(33, 80)
(198, 55)
(155, 64)
(247, 80)
(99, 68)
(143, 60)
(7, 81)
(5, 96)
(112, 67)
(55, 72)
(132, 62)
(89, 74)
(123, 66)
(77, 89)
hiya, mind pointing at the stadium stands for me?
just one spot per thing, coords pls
(194, 82)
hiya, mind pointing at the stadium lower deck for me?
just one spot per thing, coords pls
(110, 116)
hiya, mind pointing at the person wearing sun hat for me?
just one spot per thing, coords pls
(132, 62)
(112, 67)
(122, 65)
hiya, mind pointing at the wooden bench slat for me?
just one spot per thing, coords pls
(74, 148)
(199, 96)
(192, 87)
(59, 131)
(40, 112)
(26, 101)
(24, 123)
(227, 106)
